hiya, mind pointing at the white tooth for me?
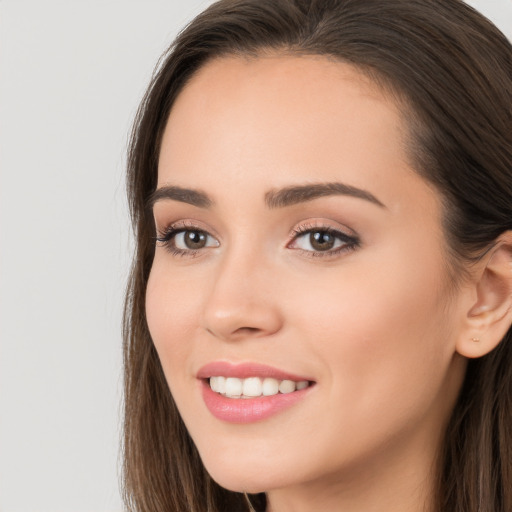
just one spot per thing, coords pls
(252, 386)
(270, 387)
(233, 387)
(287, 386)
(221, 384)
(213, 384)
(302, 385)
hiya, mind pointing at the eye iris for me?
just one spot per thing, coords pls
(321, 240)
(195, 239)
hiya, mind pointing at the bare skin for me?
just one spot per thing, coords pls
(371, 319)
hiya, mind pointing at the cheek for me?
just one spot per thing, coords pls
(172, 312)
(382, 332)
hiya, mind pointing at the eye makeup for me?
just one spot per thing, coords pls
(313, 240)
(322, 241)
(185, 239)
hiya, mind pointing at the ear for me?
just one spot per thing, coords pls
(489, 316)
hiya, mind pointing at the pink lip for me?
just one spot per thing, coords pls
(240, 410)
(245, 370)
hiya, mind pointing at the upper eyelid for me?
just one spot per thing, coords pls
(323, 225)
(184, 225)
(345, 237)
(299, 229)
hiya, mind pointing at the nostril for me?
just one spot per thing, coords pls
(247, 330)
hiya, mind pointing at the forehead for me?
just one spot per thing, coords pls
(243, 126)
(291, 85)
(278, 107)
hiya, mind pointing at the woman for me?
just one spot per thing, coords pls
(320, 306)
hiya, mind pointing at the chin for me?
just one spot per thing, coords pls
(245, 476)
(247, 485)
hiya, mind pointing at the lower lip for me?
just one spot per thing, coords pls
(248, 410)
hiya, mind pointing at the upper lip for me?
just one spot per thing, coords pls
(245, 370)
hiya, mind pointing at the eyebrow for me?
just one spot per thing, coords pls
(184, 195)
(299, 194)
(276, 198)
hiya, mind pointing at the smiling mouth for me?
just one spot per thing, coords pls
(250, 392)
(254, 387)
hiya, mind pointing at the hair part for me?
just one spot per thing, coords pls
(450, 72)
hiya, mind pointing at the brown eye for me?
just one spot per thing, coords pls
(326, 240)
(191, 240)
(321, 240)
(184, 241)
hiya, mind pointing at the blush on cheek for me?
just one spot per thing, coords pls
(172, 317)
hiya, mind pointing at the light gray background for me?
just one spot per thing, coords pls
(72, 73)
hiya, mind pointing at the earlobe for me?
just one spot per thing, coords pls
(490, 315)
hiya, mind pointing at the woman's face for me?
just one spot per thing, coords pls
(297, 244)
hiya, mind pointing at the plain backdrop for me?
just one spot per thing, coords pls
(71, 76)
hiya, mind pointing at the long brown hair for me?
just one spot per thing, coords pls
(451, 69)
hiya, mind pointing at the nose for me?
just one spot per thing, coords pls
(242, 302)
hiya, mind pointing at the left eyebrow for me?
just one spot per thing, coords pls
(299, 194)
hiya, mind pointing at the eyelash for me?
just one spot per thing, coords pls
(349, 242)
(167, 237)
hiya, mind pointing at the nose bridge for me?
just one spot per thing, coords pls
(240, 302)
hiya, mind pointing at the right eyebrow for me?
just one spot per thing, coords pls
(184, 195)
